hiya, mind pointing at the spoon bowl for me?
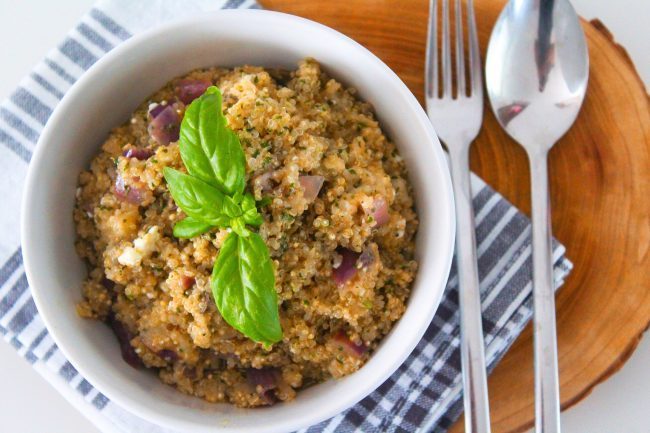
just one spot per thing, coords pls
(537, 70)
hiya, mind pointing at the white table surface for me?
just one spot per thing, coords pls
(28, 404)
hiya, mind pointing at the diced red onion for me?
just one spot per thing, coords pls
(380, 211)
(366, 258)
(127, 194)
(189, 372)
(124, 337)
(264, 181)
(138, 153)
(264, 380)
(108, 284)
(165, 127)
(187, 282)
(188, 90)
(348, 267)
(168, 355)
(311, 186)
(155, 109)
(341, 340)
(269, 397)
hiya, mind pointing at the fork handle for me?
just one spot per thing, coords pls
(547, 398)
(472, 352)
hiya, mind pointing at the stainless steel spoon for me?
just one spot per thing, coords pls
(537, 68)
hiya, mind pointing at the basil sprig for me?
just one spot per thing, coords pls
(212, 195)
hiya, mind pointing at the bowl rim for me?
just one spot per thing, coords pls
(103, 385)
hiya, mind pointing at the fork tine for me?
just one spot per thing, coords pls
(460, 53)
(446, 51)
(432, 66)
(475, 75)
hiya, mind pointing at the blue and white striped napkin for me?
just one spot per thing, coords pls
(423, 395)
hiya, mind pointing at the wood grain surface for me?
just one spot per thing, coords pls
(600, 182)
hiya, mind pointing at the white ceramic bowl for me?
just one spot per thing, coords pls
(106, 95)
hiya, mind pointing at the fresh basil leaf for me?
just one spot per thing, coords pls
(252, 218)
(232, 209)
(250, 214)
(190, 227)
(238, 225)
(210, 150)
(238, 197)
(243, 286)
(247, 202)
(199, 200)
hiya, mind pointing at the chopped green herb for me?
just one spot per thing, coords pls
(265, 201)
(284, 244)
(287, 217)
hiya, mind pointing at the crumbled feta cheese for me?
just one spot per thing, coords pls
(130, 257)
(142, 247)
(147, 243)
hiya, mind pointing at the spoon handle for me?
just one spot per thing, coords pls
(472, 351)
(547, 398)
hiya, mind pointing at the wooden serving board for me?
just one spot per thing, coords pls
(600, 182)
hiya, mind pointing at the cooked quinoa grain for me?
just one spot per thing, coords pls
(339, 221)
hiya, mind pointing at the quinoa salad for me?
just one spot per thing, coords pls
(337, 217)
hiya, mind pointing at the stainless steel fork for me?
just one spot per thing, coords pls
(457, 118)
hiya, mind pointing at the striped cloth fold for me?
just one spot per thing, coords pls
(424, 394)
